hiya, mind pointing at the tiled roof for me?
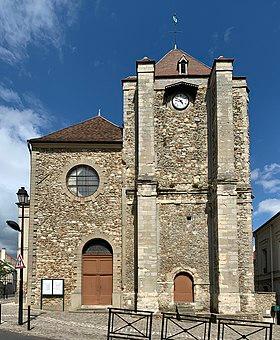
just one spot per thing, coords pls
(96, 129)
(168, 65)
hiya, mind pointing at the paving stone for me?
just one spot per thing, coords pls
(74, 326)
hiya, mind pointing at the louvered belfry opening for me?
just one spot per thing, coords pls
(183, 288)
(97, 269)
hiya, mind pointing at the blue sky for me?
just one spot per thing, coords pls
(62, 60)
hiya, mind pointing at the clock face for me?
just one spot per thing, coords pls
(180, 101)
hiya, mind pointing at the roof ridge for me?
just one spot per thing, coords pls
(107, 120)
(164, 56)
(201, 62)
(187, 54)
(267, 222)
(77, 124)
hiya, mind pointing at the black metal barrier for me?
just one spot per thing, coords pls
(129, 324)
(243, 329)
(178, 326)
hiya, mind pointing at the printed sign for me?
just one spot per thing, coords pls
(51, 287)
(47, 287)
(57, 287)
(19, 264)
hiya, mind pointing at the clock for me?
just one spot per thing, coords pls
(180, 101)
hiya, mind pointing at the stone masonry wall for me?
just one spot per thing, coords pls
(181, 142)
(183, 246)
(63, 222)
(244, 200)
(129, 254)
(245, 252)
(129, 205)
(181, 169)
(264, 302)
(147, 244)
(129, 134)
(241, 135)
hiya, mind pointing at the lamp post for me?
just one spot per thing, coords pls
(22, 202)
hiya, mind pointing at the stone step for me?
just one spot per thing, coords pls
(185, 309)
(91, 309)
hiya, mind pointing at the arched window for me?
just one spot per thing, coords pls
(183, 288)
(183, 66)
(97, 246)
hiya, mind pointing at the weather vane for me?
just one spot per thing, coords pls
(175, 22)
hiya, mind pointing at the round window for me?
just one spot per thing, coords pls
(82, 181)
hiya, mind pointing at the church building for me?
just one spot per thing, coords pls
(154, 214)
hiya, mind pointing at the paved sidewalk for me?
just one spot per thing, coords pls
(5, 335)
(79, 326)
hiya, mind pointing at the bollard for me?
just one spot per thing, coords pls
(213, 318)
(28, 318)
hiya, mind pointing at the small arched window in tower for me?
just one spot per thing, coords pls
(183, 288)
(183, 66)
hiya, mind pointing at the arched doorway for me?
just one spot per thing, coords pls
(97, 269)
(183, 288)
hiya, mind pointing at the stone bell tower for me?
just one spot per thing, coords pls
(187, 186)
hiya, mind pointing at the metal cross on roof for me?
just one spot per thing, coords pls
(175, 22)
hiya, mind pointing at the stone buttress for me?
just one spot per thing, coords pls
(146, 189)
(223, 195)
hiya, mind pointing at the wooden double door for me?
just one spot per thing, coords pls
(97, 282)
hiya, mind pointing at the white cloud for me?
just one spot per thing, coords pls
(269, 206)
(24, 24)
(32, 22)
(228, 33)
(255, 174)
(268, 178)
(218, 40)
(9, 95)
(271, 170)
(214, 44)
(36, 105)
(16, 126)
(8, 56)
(8, 240)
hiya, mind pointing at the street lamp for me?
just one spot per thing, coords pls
(22, 202)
